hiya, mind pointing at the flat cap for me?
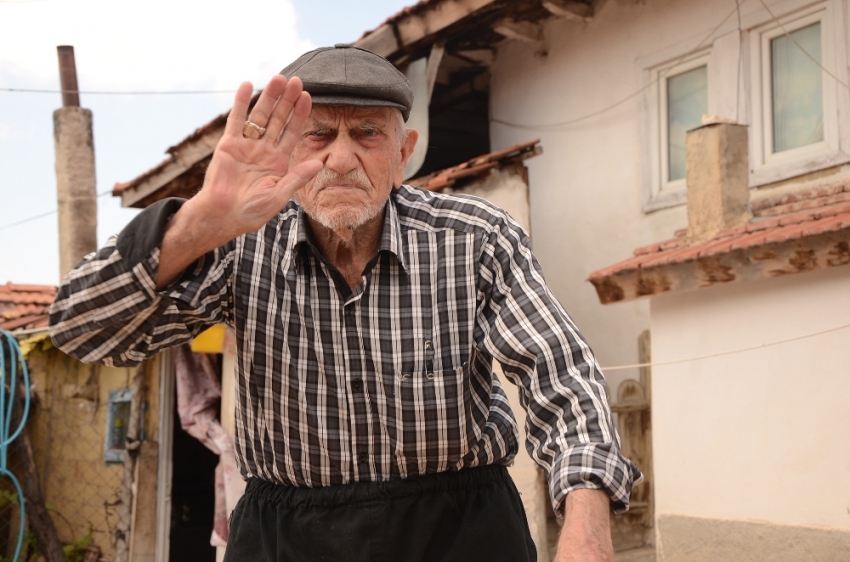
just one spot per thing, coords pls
(348, 75)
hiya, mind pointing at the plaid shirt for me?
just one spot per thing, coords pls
(389, 380)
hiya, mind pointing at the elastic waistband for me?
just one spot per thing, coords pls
(347, 494)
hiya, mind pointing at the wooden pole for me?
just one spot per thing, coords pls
(125, 509)
(76, 186)
(38, 517)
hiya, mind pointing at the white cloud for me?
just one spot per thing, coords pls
(150, 45)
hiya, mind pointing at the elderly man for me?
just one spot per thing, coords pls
(370, 425)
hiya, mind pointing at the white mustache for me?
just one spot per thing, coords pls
(356, 177)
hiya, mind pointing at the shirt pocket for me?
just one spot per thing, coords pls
(432, 427)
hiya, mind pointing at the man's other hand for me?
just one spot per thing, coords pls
(586, 534)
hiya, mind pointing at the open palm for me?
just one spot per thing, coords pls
(249, 180)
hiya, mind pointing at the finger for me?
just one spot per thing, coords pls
(280, 113)
(239, 112)
(297, 178)
(264, 106)
(295, 128)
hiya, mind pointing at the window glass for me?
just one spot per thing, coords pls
(797, 89)
(687, 102)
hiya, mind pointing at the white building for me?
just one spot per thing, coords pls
(610, 87)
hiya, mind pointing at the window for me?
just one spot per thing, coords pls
(687, 102)
(796, 126)
(796, 88)
(798, 116)
(678, 95)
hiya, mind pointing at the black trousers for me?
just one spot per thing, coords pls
(467, 516)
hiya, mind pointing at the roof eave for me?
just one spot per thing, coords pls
(808, 253)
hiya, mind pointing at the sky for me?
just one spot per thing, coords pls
(156, 45)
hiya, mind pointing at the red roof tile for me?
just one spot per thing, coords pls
(25, 306)
(477, 166)
(777, 220)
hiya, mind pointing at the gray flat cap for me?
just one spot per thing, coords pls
(348, 75)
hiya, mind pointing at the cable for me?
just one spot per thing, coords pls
(15, 358)
(722, 353)
(47, 214)
(632, 95)
(740, 59)
(117, 93)
(805, 52)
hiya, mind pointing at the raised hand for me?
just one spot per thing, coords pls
(249, 180)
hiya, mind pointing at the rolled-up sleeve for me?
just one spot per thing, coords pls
(569, 426)
(108, 309)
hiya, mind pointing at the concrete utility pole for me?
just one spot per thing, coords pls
(76, 187)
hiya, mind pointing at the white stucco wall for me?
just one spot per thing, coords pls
(761, 435)
(587, 189)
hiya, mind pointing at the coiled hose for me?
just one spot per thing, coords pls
(9, 367)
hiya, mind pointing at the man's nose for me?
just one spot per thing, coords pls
(341, 156)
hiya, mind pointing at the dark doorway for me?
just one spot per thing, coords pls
(192, 498)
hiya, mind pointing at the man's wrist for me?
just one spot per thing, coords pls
(586, 533)
(196, 225)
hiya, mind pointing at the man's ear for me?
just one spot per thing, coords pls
(408, 143)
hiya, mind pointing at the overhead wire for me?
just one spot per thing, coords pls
(737, 10)
(805, 52)
(118, 93)
(42, 215)
(723, 353)
(634, 94)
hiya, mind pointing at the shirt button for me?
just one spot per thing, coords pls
(357, 384)
(362, 457)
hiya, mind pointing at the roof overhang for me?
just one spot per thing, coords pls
(468, 29)
(791, 234)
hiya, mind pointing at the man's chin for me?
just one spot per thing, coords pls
(342, 219)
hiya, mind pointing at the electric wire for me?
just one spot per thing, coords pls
(723, 353)
(805, 52)
(7, 405)
(634, 94)
(118, 93)
(661, 75)
(42, 215)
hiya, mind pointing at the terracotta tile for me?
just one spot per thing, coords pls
(734, 231)
(671, 244)
(783, 234)
(795, 218)
(748, 241)
(715, 247)
(826, 225)
(644, 250)
(762, 224)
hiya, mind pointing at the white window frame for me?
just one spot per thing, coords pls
(767, 166)
(659, 192)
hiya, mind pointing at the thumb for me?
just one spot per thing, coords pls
(297, 177)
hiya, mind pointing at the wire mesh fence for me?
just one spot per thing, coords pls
(68, 433)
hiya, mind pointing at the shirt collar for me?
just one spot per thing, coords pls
(391, 237)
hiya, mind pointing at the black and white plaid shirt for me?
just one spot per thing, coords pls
(391, 379)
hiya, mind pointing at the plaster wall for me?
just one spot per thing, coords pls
(507, 188)
(67, 428)
(759, 435)
(587, 189)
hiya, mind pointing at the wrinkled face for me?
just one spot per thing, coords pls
(364, 150)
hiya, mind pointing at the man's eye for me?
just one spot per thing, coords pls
(369, 132)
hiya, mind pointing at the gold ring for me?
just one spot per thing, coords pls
(252, 130)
